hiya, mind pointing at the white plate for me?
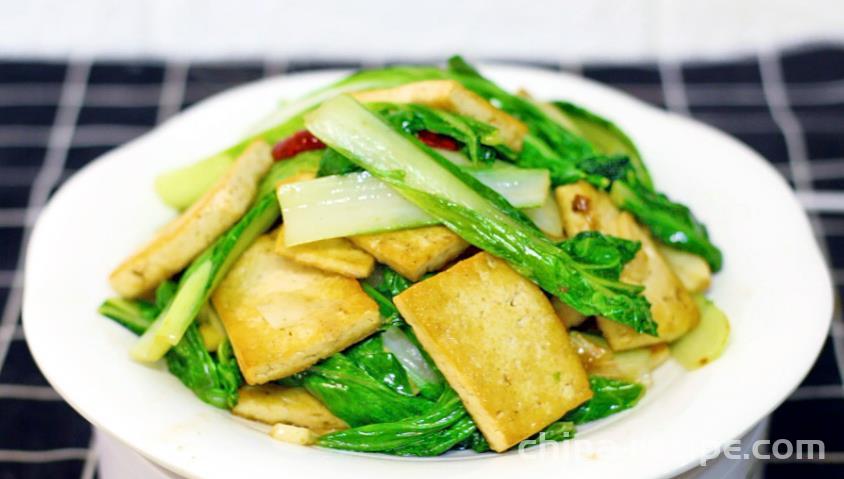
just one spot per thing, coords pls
(774, 287)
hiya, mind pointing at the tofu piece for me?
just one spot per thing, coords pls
(293, 434)
(497, 340)
(274, 404)
(570, 316)
(413, 252)
(282, 317)
(180, 241)
(691, 269)
(452, 96)
(584, 208)
(336, 255)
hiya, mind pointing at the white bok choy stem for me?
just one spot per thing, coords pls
(475, 212)
(358, 203)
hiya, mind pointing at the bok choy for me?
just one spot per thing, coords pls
(357, 203)
(473, 211)
(214, 378)
(202, 276)
(554, 142)
(179, 188)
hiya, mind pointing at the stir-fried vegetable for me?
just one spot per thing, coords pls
(611, 396)
(476, 213)
(383, 167)
(570, 157)
(547, 217)
(214, 378)
(181, 187)
(430, 433)
(563, 142)
(604, 135)
(480, 142)
(357, 203)
(707, 340)
(447, 424)
(357, 396)
(203, 275)
(672, 223)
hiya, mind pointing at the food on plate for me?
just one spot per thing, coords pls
(273, 404)
(584, 208)
(414, 260)
(185, 237)
(519, 369)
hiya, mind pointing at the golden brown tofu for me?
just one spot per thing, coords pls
(570, 316)
(584, 208)
(180, 241)
(282, 317)
(495, 337)
(691, 269)
(452, 96)
(273, 404)
(336, 255)
(413, 252)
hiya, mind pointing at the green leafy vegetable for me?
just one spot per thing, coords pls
(355, 396)
(605, 136)
(134, 315)
(473, 211)
(672, 223)
(421, 370)
(212, 380)
(207, 270)
(563, 142)
(215, 378)
(351, 204)
(381, 286)
(481, 143)
(604, 256)
(181, 187)
(389, 282)
(333, 163)
(570, 158)
(445, 426)
(380, 364)
(429, 433)
(611, 396)
(557, 431)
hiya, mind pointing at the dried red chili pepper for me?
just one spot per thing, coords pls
(296, 143)
(435, 140)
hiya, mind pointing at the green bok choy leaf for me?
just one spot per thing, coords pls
(473, 211)
(214, 378)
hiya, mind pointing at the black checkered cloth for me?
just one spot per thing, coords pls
(57, 117)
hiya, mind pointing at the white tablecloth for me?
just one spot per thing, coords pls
(595, 30)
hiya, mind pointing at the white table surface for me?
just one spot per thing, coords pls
(598, 30)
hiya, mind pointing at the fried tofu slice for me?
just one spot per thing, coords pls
(691, 269)
(413, 252)
(497, 340)
(571, 317)
(583, 208)
(282, 317)
(274, 404)
(335, 255)
(180, 241)
(452, 96)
